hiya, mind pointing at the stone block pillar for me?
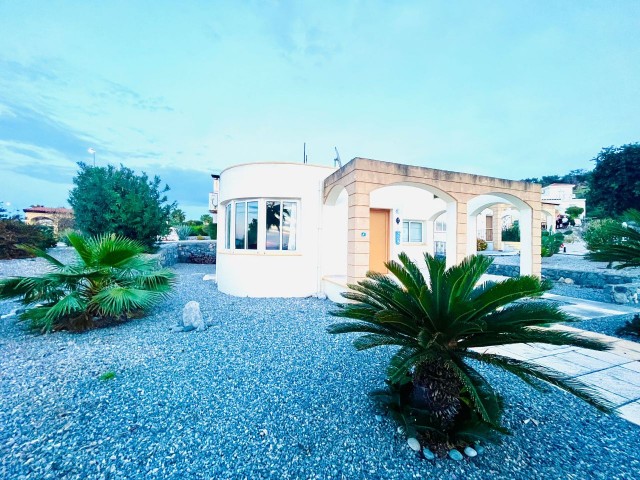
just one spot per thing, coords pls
(358, 236)
(498, 211)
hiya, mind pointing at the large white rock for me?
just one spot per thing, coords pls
(192, 317)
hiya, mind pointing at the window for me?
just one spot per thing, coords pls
(227, 222)
(246, 235)
(280, 220)
(441, 224)
(246, 220)
(412, 231)
(440, 249)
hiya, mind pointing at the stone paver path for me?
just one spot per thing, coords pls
(614, 374)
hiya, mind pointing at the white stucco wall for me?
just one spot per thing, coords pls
(267, 273)
(409, 203)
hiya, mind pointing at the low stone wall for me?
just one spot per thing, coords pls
(623, 294)
(585, 279)
(187, 251)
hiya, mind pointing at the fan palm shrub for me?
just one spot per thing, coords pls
(444, 326)
(623, 245)
(111, 279)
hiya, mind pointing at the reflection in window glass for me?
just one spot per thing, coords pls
(252, 225)
(405, 232)
(227, 221)
(289, 226)
(273, 214)
(241, 225)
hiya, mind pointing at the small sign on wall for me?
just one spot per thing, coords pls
(397, 237)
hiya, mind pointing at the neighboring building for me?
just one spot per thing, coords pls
(295, 230)
(561, 195)
(57, 218)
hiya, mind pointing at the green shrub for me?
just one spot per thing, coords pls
(14, 233)
(551, 243)
(183, 232)
(481, 245)
(631, 327)
(598, 233)
(212, 231)
(443, 326)
(110, 280)
(512, 233)
(623, 242)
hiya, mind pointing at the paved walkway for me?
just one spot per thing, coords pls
(614, 374)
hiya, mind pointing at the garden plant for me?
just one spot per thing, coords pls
(620, 242)
(111, 280)
(441, 324)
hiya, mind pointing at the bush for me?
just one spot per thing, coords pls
(116, 200)
(183, 232)
(623, 243)
(598, 233)
(212, 231)
(512, 233)
(111, 280)
(631, 327)
(551, 243)
(481, 245)
(14, 233)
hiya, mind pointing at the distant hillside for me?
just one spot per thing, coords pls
(580, 178)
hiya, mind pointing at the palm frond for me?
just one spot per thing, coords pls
(116, 300)
(553, 377)
(371, 340)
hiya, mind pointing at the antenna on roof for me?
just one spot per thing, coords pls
(304, 153)
(336, 161)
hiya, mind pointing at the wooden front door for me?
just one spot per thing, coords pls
(378, 240)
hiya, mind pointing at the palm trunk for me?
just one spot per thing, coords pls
(437, 389)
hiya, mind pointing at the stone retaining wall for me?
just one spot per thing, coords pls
(187, 251)
(585, 279)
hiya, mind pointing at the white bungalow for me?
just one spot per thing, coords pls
(296, 230)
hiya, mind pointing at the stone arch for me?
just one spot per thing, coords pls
(528, 228)
(362, 176)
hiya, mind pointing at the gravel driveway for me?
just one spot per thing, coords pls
(264, 392)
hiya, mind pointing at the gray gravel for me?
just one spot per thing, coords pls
(264, 392)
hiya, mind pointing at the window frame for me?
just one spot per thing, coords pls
(230, 226)
(409, 239)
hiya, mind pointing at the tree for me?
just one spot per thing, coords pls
(177, 217)
(442, 323)
(116, 200)
(574, 212)
(615, 181)
(206, 219)
(110, 280)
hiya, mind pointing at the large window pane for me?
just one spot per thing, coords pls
(415, 234)
(405, 232)
(252, 225)
(289, 216)
(274, 215)
(227, 220)
(241, 225)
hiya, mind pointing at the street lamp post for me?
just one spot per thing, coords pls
(93, 152)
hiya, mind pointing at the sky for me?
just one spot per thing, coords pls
(511, 89)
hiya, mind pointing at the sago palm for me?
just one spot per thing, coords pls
(624, 246)
(441, 323)
(111, 279)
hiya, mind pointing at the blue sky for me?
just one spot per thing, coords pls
(512, 89)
